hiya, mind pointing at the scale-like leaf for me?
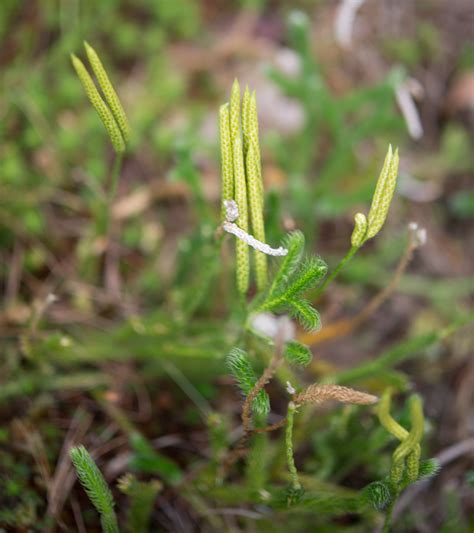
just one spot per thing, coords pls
(297, 353)
(305, 313)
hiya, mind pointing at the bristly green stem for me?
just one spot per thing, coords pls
(336, 271)
(295, 483)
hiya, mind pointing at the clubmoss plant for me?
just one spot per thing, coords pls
(96, 488)
(285, 293)
(112, 115)
(407, 467)
(296, 275)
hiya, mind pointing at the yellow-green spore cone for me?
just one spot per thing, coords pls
(360, 230)
(111, 96)
(253, 136)
(99, 105)
(386, 419)
(413, 464)
(256, 214)
(242, 249)
(416, 433)
(235, 111)
(226, 156)
(245, 118)
(383, 194)
(407, 455)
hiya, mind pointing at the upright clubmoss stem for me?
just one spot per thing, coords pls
(114, 177)
(336, 271)
(295, 483)
(112, 192)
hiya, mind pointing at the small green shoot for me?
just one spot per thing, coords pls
(96, 488)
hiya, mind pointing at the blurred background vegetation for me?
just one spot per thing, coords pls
(123, 351)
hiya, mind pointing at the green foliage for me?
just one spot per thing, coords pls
(297, 353)
(402, 351)
(294, 243)
(295, 276)
(146, 459)
(181, 18)
(310, 271)
(176, 306)
(378, 493)
(239, 365)
(198, 266)
(412, 51)
(96, 487)
(218, 435)
(305, 313)
(258, 460)
(142, 496)
(428, 468)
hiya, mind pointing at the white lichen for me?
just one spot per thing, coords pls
(232, 213)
